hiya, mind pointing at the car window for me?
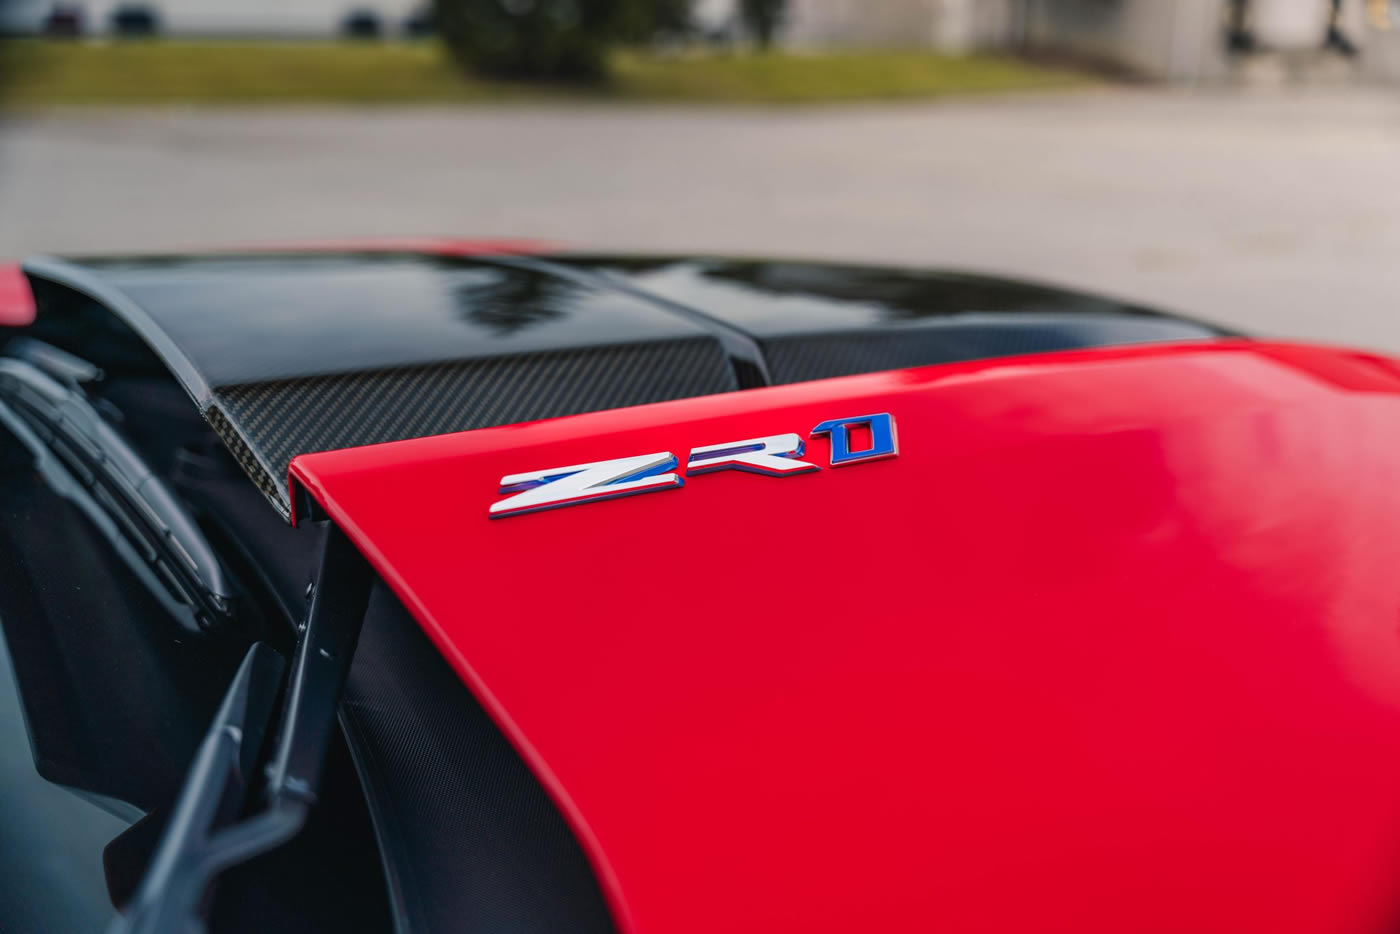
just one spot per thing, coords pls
(104, 699)
(51, 837)
(138, 565)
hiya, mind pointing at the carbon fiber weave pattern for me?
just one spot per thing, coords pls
(282, 419)
(243, 454)
(473, 842)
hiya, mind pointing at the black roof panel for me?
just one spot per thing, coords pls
(293, 352)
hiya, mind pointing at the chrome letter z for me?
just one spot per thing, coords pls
(582, 483)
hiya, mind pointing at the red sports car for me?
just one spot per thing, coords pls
(454, 587)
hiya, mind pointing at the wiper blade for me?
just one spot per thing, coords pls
(63, 366)
(149, 515)
(199, 843)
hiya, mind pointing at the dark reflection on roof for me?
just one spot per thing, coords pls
(814, 320)
(506, 304)
(249, 318)
(773, 298)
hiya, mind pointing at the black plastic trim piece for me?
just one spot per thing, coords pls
(198, 844)
(339, 597)
(173, 888)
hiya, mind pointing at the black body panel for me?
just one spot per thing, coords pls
(258, 319)
(471, 841)
(819, 320)
(295, 352)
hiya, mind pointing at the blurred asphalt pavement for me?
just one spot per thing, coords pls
(1274, 211)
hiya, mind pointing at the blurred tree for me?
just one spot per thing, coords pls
(644, 20)
(762, 18)
(549, 39)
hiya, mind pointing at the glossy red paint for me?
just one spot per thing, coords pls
(16, 298)
(1113, 644)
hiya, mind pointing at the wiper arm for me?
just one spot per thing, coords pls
(42, 389)
(198, 843)
(213, 793)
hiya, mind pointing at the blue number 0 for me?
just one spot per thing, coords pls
(884, 442)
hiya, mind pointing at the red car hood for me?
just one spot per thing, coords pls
(1113, 643)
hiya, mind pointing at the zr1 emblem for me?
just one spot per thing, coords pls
(774, 456)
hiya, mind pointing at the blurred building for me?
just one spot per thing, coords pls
(1174, 40)
(946, 25)
(1185, 40)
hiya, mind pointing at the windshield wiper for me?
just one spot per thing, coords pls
(200, 842)
(41, 386)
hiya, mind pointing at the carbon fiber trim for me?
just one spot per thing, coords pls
(290, 417)
(245, 457)
(472, 841)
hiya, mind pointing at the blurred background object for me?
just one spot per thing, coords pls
(762, 19)
(362, 23)
(1175, 40)
(65, 21)
(1233, 159)
(418, 24)
(539, 39)
(135, 21)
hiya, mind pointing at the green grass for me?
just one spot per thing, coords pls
(40, 74)
(789, 78)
